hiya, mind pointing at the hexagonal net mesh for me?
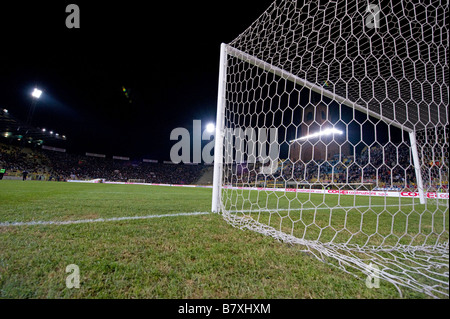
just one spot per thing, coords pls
(333, 118)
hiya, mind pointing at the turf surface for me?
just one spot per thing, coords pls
(185, 256)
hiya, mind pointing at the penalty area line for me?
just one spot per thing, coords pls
(97, 220)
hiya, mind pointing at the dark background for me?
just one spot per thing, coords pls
(165, 54)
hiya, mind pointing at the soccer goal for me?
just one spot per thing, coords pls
(332, 134)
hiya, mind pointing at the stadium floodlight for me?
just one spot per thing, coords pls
(354, 199)
(36, 93)
(210, 127)
(43, 130)
(5, 110)
(325, 132)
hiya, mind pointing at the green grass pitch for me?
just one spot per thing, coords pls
(177, 256)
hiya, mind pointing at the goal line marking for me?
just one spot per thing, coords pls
(97, 220)
(333, 208)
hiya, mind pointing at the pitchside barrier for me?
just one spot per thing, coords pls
(431, 195)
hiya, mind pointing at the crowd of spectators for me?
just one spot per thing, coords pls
(58, 166)
(70, 166)
(387, 167)
(15, 160)
(383, 168)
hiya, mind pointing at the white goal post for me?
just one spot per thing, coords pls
(332, 134)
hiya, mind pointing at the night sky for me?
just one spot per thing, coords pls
(166, 55)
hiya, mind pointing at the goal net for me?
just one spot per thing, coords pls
(332, 134)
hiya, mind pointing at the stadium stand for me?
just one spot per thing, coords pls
(56, 166)
(372, 166)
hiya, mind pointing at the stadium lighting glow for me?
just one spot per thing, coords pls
(36, 93)
(325, 132)
(43, 130)
(51, 132)
(210, 127)
(5, 110)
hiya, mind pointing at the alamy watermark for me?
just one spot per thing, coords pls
(73, 280)
(373, 277)
(241, 145)
(373, 18)
(73, 19)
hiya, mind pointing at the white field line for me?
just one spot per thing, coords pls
(334, 208)
(98, 220)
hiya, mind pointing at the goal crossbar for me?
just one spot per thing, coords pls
(307, 84)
